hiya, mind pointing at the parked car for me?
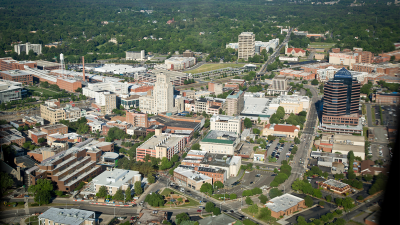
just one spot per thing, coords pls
(199, 210)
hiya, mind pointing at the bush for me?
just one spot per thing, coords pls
(321, 203)
(58, 193)
(360, 197)
(339, 212)
(328, 198)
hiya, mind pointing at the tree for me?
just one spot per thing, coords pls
(247, 123)
(218, 184)
(368, 177)
(206, 187)
(271, 138)
(232, 196)
(314, 82)
(347, 203)
(151, 179)
(308, 201)
(296, 140)
(181, 217)
(118, 196)
(209, 207)
(196, 146)
(138, 188)
(6, 182)
(175, 158)
(256, 131)
(321, 203)
(41, 185)
(102, 193)
(155, 200)
(78, 90)
(317, 193)
(325, 175)
(328, 198)
(253, 209)
(216, 211)
(248, 201)
(274, 192)
(41, 140)
(338, 201)
(360, 197)
(301, 221)
(128, 195)
(265, 213)
(263, 199)
(42, 197)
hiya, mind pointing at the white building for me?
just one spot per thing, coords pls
(67, 216)
(226, 123)
(258, 158)
(162, 98)
(116, 87)
(291, 103)
(116, 179)
(289, 59)
(271, 44)
(233, 45)
(37, 48)
(136, 56)
(246, 45)
(119, 69)
(179, 63)
(220, 142)
(328, 73)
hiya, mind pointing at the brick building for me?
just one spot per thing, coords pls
(285, 205)
(281, 130)
(189, 178)
(386, 98)
(68, 84)
(57, 128)
(17, 76)
(298, 74)
(36, 134)
(137, 119)
(9, 64)
(68, 168)
(11, 136)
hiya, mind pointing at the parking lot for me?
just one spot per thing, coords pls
(389, 113)
(282, 153)
(250, 181)
(380, 151)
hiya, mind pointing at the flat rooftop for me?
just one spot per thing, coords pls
(161, 140)
(15, 73)
(68, 216)
(344, 137)
(344, 147)
(192, 174)
(283, 202)
(257, 106)
(335, 183)
(175, 123)
(46, 63)
(115, 178)
(222, 137)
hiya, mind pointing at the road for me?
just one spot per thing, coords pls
(307, 136)
(271, 59)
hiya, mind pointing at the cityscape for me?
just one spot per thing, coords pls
(199, 113)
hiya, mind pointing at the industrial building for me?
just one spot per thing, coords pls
(21, 76)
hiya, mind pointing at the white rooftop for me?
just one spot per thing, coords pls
(115, 178)
(67, 216)
(283, 202)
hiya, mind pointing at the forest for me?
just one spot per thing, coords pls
(201, 26)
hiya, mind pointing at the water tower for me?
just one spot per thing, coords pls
(62, 63)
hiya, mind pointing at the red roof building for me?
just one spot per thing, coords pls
(281, 130)
(298, 52)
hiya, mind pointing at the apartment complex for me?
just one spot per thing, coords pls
(36, 48)
(161, 145)
(246, 45)
(68, 168)
(341, 99)
(235, 102)
(10, 91)
(162, 99)
(106, 102)
(21, 76)
(222, 142)
(137, 119)
(135, 56)
(210, 106)
(226, 123)
(52, 112)
(68, 216)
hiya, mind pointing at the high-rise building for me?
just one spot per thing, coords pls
(235, 101)
(246, 45)
(341, 99)
(37, 48)
(162, 98)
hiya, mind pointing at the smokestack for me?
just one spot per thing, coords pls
(83, 69)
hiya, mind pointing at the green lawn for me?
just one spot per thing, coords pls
(44, 91)
(213, 66)
(272, 220)
(33, 220)
(167, 191)
(321, 45)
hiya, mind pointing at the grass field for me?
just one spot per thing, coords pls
(321, 45)
(167, 191)
(44, 91)
(270, 221)
(213, 66)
